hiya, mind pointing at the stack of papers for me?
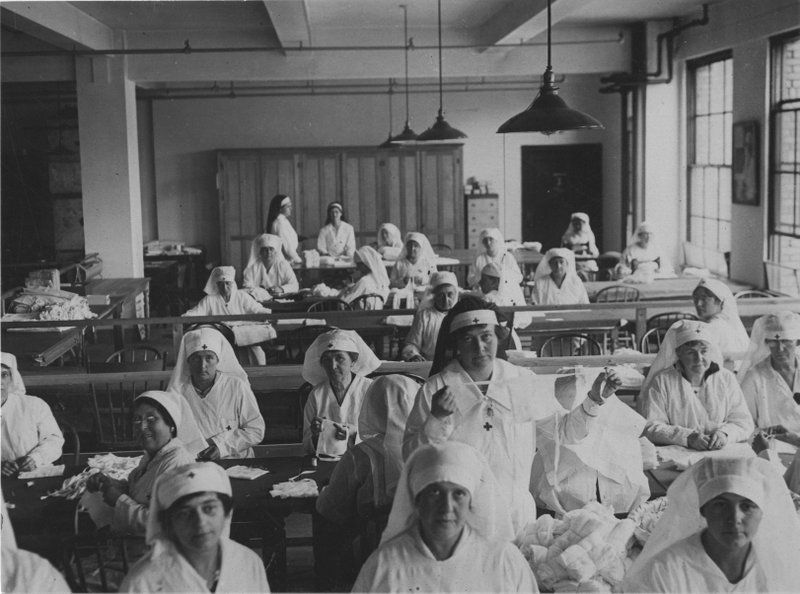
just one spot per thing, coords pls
(246, 472)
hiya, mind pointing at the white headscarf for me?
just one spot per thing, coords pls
(573, 236)
(263, 240)
(10, 361)
(200, 477)
(220, 274)
(643, 227)
(205, 339)
(373, 260)
(426, 254)
(680, 333)
(543, 269)
(454, 462)
(730, 311)
(186, 428)
(784, 325)
(338, 340)
(777, 542)
(495, 233)
(381, 426)
(395, 237)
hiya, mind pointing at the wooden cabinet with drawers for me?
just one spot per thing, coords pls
(483, 210)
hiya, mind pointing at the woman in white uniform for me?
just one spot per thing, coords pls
(268, 274)
(211, 380)
(493, 249)
(495, 290)
(716, 305)
(337, 237)
(280, 209)
(158, 419)
(188, 530)
(770, 375)
(688, 398)
(643, 253)
(580, 238)
(372, 277)
(556, 282)
(31, 437)
(729, 526)
(416, 264)
(420, 344)
(336, 364)
(390, 241)
(475, 397)
(448, 530)
(223, 298)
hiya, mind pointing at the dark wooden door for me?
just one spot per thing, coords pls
(557, 181)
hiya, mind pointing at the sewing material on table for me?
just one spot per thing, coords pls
(298, 488)
(245, 472)
(42, 472)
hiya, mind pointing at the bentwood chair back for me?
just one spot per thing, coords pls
(369, 301)
(331, 304)
(570, 345)
(665, 320)
(136, 354)
(752, 294)
(652, 339)
(617, 294)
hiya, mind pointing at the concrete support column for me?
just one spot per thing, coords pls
(112, 210)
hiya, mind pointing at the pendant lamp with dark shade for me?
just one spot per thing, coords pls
(407, 136)
(549, 113)
(440, 131)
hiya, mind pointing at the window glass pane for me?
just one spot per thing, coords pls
(729, 85)
(701, 91)
(710, 199)
(701, 140)
(709, 233)
(716, 140)
(696, 191)
(790, 77)
(718, 86)
(786, 139)
(725, 193)
(695, 229)
(728, 131)
(724, 237)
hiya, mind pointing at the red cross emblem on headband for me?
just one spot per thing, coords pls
(474, 320)
(191, 474)
(330, 345)
(698, 330)
(777, 336)
(205, 347)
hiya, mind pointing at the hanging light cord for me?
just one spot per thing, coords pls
(407, 44)
(441, 101)
(549, 61)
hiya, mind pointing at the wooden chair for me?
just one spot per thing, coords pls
(367, 302)
(71, 442)
(297, 341)
(752, 294)
(113, 402)
(136, 354)
(570, 345)
(651, 341)
(617, 294)
(665, 320)
(332, 304)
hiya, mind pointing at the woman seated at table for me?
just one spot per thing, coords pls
(688, 398)
(370, 278)
(420, 343)
(493, 249)
(31, 437)
(643, 253)
(416, 264)
(337, 237)
(280, 209)
(336, 364)
(211, 380)
(493, 289)
(716, 305)
(223, 298)
(579, 238)
(770, 375)
(356, 501)
(556, 282)
(157, 417)
(606, 466)
(474, 396)
(390, 242)
(188, 530)
(448, 530)
(730, 525)
(268, 274)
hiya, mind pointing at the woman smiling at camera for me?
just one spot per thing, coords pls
(448, 530)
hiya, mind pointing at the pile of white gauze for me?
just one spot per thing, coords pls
(586, 551)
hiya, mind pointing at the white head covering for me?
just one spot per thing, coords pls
(680, 333)
(373, 260)
(338, 340)
(777, 542)
(573, 236)
(10, 361)
(263, 240)
(543, 269)
(220, 274)
(178, 408)
(475, 317)
(643, 227)
(395, 237)
(495, 233)
(426, 251)
(730, 311)
(200, 477)
(454, 462)
(781, 326)
(381, 425)
(443, 277)
(205, 339)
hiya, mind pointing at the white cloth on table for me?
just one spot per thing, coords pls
(674, 411)
(322, 403)
(29, 427)
(284, 229)
(421, 337)
(516, 402)
(337, 242)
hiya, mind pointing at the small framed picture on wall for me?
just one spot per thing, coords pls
(745, 163)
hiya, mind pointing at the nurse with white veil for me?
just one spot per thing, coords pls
(730, 525)
(716, 305)
(494, 251)
(556, 281)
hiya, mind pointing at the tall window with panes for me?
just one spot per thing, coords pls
(784, 182)
(710, 113)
